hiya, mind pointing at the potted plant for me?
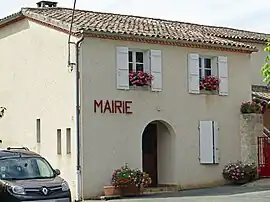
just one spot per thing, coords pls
(128, 182)
(209, 84)
(239, 173)
(139, 78)
(248, 107)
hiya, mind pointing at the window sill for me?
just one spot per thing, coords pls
(143, 88)
(207, 92)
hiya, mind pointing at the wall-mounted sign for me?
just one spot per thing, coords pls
(112, 106)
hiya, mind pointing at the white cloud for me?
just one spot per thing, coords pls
(242, 14)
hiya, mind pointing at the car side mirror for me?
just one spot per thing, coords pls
(57, 171)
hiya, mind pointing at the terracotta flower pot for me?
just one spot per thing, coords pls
(130, 190)
(111, 191)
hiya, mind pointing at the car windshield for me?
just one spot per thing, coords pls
(24, 168)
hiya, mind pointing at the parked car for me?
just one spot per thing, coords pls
(27, 176)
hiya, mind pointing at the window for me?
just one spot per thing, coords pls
(205, 66)
(59, 143)
(129, 59)
(68, 140)
(136, 61)
(25, 168)
(200, 66)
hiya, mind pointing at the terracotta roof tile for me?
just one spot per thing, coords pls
(145, 27)
(262, 92)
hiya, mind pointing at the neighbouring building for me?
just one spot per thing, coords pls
(178, 133)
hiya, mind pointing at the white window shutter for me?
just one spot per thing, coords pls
(156, 70)
(214, 65)
(223, 75)
(206, 142)
(216, 147)
(193, 73)
(146, 61)
(122, 70)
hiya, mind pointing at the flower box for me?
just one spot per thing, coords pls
(209, 83)
(140, 78)
(209, 92)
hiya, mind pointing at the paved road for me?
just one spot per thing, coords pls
(219, 194)
(263, 196)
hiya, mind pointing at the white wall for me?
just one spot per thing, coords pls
(35, 83)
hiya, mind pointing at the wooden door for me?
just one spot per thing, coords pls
(149, 146)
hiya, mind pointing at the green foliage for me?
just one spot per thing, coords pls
(240, 173)
(265, 70)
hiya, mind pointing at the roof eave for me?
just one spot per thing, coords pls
(164, 41)
(254, 94)
(257, 41)
(49, 21)
(10, 19)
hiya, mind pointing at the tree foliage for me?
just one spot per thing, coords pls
(265, 70)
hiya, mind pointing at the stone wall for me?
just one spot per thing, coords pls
(251, 127)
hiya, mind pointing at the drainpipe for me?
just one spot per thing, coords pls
(78, 120)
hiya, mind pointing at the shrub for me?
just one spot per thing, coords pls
(251, 107)
(126, 176)
(239, 173)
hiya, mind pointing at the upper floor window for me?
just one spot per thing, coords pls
(136, 61)
(205, 66)
(138, 67)
(207, 74)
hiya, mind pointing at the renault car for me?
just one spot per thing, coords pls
(27, 176)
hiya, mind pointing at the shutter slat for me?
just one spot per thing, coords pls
(122, 70)
(223, 75)
(193, 73)
(206, 142)
(156, 70)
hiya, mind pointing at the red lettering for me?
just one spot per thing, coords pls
(98, 104)
(118, 105)
(107, 107)
(112, 107)
(127, 107)
(123, 107)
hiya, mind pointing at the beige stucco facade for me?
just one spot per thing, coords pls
(110, 140)
(36, 83)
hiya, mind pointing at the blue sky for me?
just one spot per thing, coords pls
(243, 14)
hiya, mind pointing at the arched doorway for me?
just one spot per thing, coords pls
(158, 153)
